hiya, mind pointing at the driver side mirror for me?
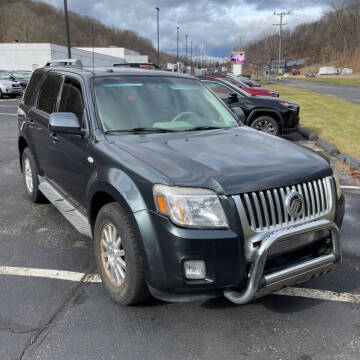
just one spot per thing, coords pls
(239, 114)
(65, 122)
(233, 97)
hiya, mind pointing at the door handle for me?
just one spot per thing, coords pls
(54, 138)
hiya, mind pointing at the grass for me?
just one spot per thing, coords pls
(334, 120)
(330, 80)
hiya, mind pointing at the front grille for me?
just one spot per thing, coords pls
(15, 85)
(266, 210)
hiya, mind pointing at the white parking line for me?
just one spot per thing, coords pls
(9, 106)
(46, 273)
(8, 114)
(77, 276)
(320, 294)
(350, 187)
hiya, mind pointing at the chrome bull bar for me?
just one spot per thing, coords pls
(260, 284)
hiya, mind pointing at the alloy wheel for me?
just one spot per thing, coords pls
(28, 176)
(113, 254)
(265, 126)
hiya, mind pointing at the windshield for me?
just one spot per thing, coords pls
(167, 103)
(22, 75)
(4, 76)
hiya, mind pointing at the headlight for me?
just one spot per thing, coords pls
(336, 178)
(289, 105)
(190, 207)
(274, 93)
(5, 84)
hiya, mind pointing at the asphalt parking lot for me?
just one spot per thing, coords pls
(50, 308)
(345, 92)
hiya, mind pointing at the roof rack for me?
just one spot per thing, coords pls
(65, 62)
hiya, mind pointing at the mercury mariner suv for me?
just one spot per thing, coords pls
(181, 200)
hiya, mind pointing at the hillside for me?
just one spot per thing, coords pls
(35, 21)
(332, 40)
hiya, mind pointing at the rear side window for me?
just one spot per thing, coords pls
(49, 93)
(30, 92)
(220, 90)
(71, 98)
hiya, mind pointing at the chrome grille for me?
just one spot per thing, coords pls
(266, 210)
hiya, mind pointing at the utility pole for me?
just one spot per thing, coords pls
(158, 35)
(281, 24)
(177, 48)
(67, 29)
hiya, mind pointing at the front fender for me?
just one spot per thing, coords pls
(254, 112)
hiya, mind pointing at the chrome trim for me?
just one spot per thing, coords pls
(258, 284)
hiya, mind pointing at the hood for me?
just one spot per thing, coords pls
(229, 161)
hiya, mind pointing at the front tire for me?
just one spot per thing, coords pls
(30, 176)
(266, 124)
(118, 256)
(1, 94)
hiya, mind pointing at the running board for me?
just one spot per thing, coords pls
(67, 209)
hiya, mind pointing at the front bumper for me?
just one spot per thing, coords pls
(230, 269)
(12, 91)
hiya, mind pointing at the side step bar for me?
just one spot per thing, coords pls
(67, 209)
(259, 285)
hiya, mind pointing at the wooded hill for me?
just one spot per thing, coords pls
(332, 40)
(35, 21)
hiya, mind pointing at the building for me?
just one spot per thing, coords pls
(29, 56)
(129, 56)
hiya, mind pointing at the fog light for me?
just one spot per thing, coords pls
(195, 269)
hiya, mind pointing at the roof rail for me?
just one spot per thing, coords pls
(64, 62)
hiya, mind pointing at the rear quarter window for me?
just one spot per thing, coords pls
(31, 89)
(49, 93)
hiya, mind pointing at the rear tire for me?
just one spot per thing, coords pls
(30, 176)
(266, 124)
(118, 256)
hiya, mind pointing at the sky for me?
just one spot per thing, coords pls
(222, 24)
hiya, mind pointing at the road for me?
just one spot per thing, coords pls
(345, 92)
(59, 317)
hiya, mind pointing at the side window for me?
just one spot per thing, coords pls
(220, 90)
(72, 99)
(49, 93)
(30, 91)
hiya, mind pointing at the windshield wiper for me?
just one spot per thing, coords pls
(140, 129)
(205, 127)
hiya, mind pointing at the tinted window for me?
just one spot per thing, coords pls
(220, 90)
(31, 89)
(49, 93)
(71, 98)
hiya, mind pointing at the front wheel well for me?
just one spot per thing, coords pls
(97, 202)
(265, 113)
(22, 145)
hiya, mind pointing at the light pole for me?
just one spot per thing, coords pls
(67, 29)
(191, 53)
(158, 35)
(177, 48)
(185, 51)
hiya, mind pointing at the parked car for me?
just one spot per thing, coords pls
(180, 201)
(250, 90)
(275, 116)
(310, 74)
(8, 87)
(248, 82)
(21, 77)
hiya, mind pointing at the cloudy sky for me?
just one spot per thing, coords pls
(219, 22)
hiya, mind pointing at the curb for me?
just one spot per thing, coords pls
(330, 148)
(307, 134)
